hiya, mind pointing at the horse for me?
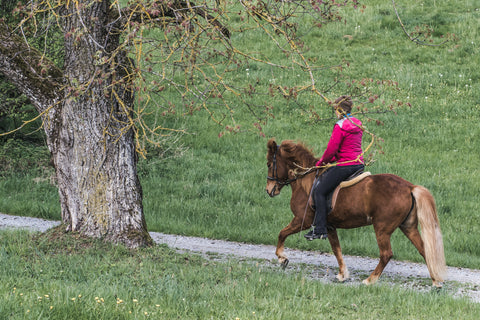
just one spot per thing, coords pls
(385, 201)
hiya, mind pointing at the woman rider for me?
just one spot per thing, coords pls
(345, 149)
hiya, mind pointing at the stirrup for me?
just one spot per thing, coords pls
(312, 235)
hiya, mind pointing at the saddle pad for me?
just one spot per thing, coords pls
(346, 184)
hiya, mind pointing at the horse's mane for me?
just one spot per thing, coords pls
(298, 153)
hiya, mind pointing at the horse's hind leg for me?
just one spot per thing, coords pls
(412, 233)
(337, 251)
(386, 254)
(296, 225)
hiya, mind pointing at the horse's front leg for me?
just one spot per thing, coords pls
(296, 225)
(337, 251)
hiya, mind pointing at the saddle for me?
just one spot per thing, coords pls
(350, 181)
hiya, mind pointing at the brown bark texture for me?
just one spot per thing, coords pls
(86, 109)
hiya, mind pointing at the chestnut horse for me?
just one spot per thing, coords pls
(384, 200)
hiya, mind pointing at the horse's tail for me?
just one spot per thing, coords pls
(431, 233)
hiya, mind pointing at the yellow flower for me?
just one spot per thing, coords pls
(135, 300)
(51, 307)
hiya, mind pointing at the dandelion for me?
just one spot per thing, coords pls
(51, 307)
(157, 305)
(73, 299)
(135, 300)
(145, 313)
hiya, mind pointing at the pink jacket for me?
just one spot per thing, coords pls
(345, 144)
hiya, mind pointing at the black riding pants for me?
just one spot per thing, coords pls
(325, 184)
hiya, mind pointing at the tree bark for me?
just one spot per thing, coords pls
(86, 111)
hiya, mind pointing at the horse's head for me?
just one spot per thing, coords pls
(279, 173)
(283, 161)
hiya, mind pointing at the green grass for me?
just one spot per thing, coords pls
(59, 276)
(216, 187)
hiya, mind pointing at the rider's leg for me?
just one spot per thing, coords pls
(324, 185)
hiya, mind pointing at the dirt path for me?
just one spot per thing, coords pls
(321, 266)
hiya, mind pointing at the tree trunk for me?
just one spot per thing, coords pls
(89, 131)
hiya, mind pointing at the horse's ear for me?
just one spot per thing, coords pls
(272, 145)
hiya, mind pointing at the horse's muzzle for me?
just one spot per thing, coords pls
(273, 192)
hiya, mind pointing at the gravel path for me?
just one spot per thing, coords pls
(460, 281)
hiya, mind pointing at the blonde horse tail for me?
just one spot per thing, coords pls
(431, 234)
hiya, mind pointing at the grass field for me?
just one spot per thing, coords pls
(214, 187)
(57, 276)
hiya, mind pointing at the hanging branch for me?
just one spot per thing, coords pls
(419, 32)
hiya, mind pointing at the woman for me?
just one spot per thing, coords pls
(344, 148)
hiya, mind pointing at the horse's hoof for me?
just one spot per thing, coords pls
(284, 264)
(341, 278)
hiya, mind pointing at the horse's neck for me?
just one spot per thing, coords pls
(304, 184)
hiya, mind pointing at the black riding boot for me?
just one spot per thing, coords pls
(317, 232)
(319, 227)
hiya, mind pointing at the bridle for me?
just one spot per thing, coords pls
(280, 182)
